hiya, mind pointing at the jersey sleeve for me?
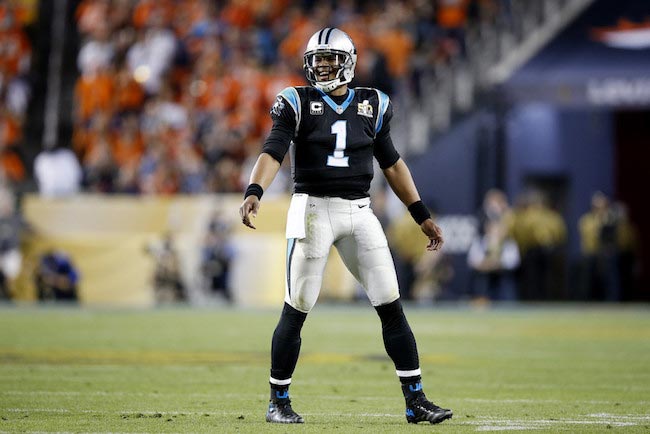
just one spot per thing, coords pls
(285, 113)
(384, 150)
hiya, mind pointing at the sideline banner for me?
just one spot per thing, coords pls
(110, 239)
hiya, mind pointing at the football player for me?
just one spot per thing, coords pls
(333, 132)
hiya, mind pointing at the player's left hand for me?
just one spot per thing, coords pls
(249, 206)
(434, 233)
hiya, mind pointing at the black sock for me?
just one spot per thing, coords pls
(411, 387)
(285, 347)
(398, 337)
(279, 393)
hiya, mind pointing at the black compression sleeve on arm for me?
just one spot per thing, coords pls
(278, 141)
(385, 151)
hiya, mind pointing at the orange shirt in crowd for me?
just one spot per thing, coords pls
(129, 94)
(12, 165)
(94, 92)
(452, 14)
(397, 46)
(15, 50)
(224, 93)
(271, 9)
(127, 148)
(292, 46)
(91, 14)
(10, 129)
(85, 140)
(82, 139)
(145, 10)
(23, 12)
(238, 13)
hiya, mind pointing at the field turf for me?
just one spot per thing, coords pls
(575, 368)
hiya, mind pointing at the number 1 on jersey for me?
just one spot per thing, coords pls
(338, 159)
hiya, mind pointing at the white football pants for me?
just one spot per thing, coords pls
(352, 227)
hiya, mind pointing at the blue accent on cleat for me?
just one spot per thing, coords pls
(421, 409)
(281, 412)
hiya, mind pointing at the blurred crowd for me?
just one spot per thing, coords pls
(173, 96)
(609, 245)
(15, 90)
(519, 253)
(210, 281)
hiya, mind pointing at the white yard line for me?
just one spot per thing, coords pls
(516, 424)
(552, 401)
(596, 419)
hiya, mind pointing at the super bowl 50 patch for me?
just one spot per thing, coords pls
(364, 109)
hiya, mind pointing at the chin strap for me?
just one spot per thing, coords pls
(328, 86)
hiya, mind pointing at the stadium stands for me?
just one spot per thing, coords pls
(15, 58)
(191, 81)
(178, 90)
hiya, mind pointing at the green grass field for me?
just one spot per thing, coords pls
(551, 368)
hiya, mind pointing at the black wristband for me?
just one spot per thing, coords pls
(255, 190)
(419, 212)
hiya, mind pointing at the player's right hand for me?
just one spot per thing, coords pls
(249, 206)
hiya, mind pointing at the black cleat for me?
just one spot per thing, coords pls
(422, 410)
(281, 412)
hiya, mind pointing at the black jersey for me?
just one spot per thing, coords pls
(333, 139)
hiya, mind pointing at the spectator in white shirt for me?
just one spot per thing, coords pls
(494, 256)
(57, 172)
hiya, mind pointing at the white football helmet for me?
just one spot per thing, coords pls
(330, 42)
